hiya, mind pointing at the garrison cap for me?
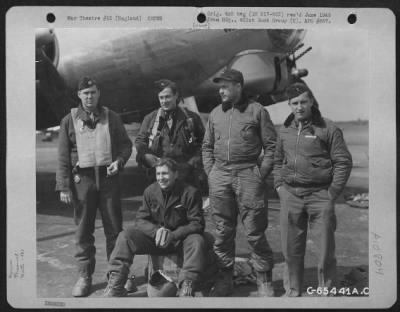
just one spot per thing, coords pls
(165, 83)
(230, 75)
(86, 82)
(297, 88)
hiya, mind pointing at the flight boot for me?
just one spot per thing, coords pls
(264, 284)
(130, 284)
(223, 286)
(82, 287)
(115, 286)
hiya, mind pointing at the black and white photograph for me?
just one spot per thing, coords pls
(217, 163)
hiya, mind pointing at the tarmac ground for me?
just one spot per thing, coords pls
(56, 269)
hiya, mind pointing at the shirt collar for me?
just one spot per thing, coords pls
(166, 114)
(165, 194)
(85, 116)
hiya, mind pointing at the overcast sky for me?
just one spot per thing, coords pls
(338, 75)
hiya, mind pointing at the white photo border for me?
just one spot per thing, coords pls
(21, 163)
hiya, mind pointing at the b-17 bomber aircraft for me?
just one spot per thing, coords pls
(126, 62)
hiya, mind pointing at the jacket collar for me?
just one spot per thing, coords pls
(316, 119)
(241, 105)
(179, 119)
(177, 115)
(173, 193)
(167, 199)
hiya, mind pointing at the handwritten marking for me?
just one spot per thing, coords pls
(377, 253)
(17, 265)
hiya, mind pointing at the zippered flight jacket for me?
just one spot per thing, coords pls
(311, 156)
(235, 137)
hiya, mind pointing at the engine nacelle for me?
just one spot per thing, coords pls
(51, 100)
(47, 46)
(262, 70)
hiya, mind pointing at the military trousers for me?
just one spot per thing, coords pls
(240, 193)
(315, 212)
(87, 199)
(133, 242)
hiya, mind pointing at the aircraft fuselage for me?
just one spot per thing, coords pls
(126, 62)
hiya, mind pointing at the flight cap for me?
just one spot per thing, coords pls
(230, 75)
(86, 82)
(165, 83)
(297, 88)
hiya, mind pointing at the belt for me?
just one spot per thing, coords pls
(91, 170)
(98, 171)
(233, 168)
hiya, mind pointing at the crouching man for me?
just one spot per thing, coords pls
(170, 221)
